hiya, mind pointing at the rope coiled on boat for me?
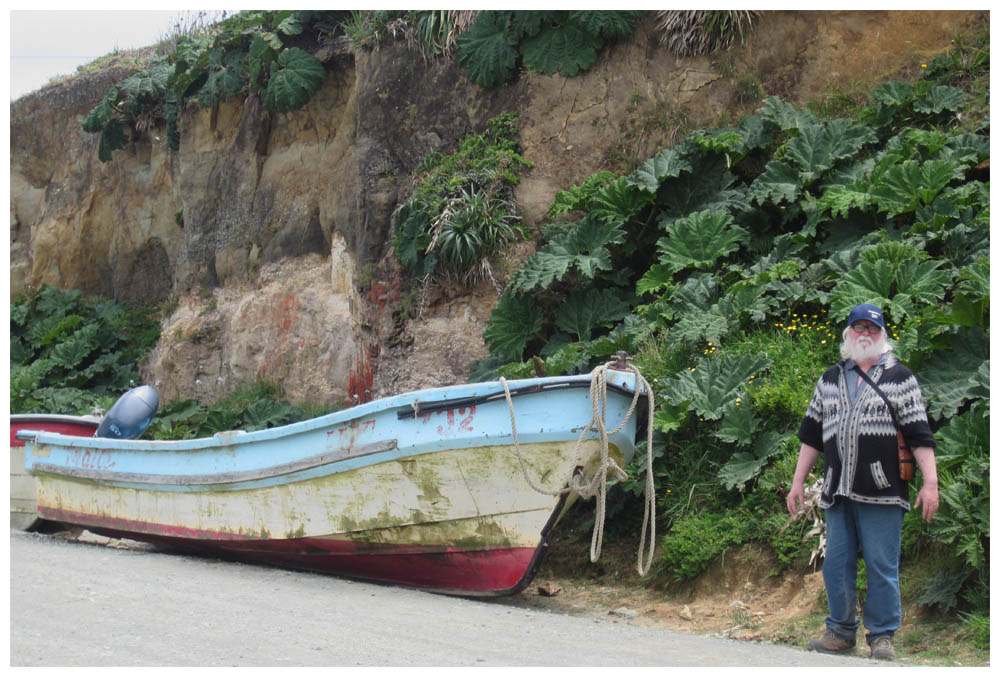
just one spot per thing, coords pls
(597, 485)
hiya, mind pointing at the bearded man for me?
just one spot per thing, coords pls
(864, 499)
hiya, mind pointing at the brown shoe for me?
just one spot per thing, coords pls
(831, 643)
(882, 649)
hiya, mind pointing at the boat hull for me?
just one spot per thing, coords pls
(416, 490)
(23, 488)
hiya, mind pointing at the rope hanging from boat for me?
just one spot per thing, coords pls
(597, 486)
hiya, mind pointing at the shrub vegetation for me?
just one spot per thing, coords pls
(727, 266)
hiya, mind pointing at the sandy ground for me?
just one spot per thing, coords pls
(100, 602)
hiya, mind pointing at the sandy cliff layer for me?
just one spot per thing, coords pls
(272, 231)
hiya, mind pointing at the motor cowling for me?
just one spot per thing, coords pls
(130, 415)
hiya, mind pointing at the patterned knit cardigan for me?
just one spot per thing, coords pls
(859, 442)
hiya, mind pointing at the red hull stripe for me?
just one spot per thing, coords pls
(485, 570)
(63, 428)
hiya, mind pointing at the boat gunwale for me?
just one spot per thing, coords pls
(407, 404)
(307, 463)
(53, 418)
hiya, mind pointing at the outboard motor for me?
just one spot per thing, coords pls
(130, 415)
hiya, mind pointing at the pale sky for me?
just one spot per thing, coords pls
(48, 43)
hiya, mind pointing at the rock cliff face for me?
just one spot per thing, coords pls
(271, 233)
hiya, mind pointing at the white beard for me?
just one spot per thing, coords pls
(864, 349)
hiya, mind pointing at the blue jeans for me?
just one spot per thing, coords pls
(876, 531)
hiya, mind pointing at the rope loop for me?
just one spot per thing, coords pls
(597, 485)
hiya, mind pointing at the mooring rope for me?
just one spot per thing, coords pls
(597, 486)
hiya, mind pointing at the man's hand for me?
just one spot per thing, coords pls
(927, 498)
(796, 495)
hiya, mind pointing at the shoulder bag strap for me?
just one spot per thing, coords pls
(878, 390)
(906, 461)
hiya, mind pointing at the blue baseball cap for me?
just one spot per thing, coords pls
(866, 311)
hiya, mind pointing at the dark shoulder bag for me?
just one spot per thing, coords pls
(906, 463)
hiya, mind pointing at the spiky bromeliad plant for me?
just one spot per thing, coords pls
(691, 32)
(462, 212)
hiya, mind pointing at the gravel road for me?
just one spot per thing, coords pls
(82, 604)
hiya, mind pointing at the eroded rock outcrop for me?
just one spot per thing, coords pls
(272, 232)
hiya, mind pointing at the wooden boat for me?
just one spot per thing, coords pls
(450, 489)
(23, 509)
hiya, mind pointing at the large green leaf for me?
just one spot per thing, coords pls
(784, 115)
(151, 82)
(102, 113)
(940, 98)
(743, 466)
(716, 381)
(739, 423)
(579, 197)
(895, 252)
(565, 48)
(488, 49)
(584, 247)
(704, 326)
(657, 278)
(298, 77)
(894, 94)
(696, 292)
(974, 280)
(259, 56)
(950, 378)
(51, 398)
(665, 164)
(113, 137)
(590, 244)
(967, 434)
(906, 186)
(514, 321)
(626, 337)
(569, 358)
(921, 282)
(840, 200)
(411, 239)
(589, 309)
(966, 150)
(70, 353)
(540, 270)
(225, 81)
(778, 183)
(865, 284)
(700, 240)
(618, 201)
(289, 23)
(20, 354)
(747, 304)
(607, 24)
(25, 380)
(529, 23)
(817, 147)
(717, 140)
(844, 176)
(708, 186)
(268, 413)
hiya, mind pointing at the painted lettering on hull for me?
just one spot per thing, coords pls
(451, 420)
(349, 433)
(91, 459)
